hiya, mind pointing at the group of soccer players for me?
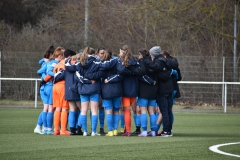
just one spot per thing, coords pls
(110, 86)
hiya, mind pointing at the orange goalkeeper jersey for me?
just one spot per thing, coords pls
(59, 88)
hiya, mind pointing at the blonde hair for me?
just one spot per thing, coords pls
(107, 54)
(87, 51)
(126, 56)
(76, 57)
(57, 52)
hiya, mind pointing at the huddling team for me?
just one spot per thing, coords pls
(111, 86)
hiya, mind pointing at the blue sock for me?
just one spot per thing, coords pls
(79, 120)
(49, 119)
(138, 121)
(44, 119)
(40, 121)
(116, 121)
(122, 121)
(152, 122)
(157, 127)
(83, 121)
(94, 123)
(77, 113)
(144, 122)
(101, 118)
(72, 119)
(109, 118)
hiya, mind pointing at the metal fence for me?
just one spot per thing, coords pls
(193, 68)
(221, 98)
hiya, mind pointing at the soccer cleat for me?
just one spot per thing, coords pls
(45, 132)
(115, 132)
(152, 133)
(79, 132)
(126, 134)
(73, 131)
(86, 134)
(56, 132)
(143, 134)
(38, 131)
(164, 134)
(136, 132)
(102, 131)
(170, 134)
(110, 134)
(73, 134)
(64, 133)
(50, 132)
(95, 134)
(122, 130)
(99, 133)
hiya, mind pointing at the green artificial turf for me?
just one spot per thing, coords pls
(193, 134)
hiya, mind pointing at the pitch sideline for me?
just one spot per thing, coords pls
(216, 150)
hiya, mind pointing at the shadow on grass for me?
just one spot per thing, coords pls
(215, 135)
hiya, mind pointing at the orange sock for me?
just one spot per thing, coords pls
(64, 119)
(127, 119)
(57, 116)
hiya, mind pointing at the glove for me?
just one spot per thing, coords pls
(174, 72)
(42, 83)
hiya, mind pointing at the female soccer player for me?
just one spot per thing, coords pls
(130, 86)
(111, 94)
(99, 54)
(47, 55)
(176, 76)
(147, 93)
(72, 96)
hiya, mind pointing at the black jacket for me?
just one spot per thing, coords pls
(145, 89)
(174, 64)
(113, 88)
(163, 69)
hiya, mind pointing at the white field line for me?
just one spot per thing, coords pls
(215, 149)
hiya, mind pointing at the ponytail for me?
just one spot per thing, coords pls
(127, 55)
(86, 52)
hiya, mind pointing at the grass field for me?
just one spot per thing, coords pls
(193, 133)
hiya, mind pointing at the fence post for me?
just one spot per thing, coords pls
(223, 79)
(225, 101)
(0, 73)
(36, 89)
